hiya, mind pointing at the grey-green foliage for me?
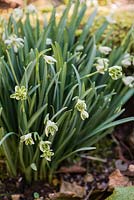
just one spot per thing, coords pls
(51, 89)
(122, 193)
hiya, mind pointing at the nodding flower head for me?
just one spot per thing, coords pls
(105, 50)
(127, 60)
(17, 14)
(51, 127)
(47, 154)
(44, 145)
(49, 59)
(27, 139)
(45, 148)
(128, 81)
(115, 72)
(80, 105)
(84, 115)
(31, 9)
(15, 42)
(102, 65)
(20, 93)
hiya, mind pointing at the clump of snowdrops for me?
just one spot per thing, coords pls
(60, 93)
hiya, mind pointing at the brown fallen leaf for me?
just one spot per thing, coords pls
(117, 179)
(69, 191)
(59, 196)
(75, 189)
(72, 169)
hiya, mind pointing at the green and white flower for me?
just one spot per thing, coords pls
(48, 41)
(84, 114)
(45, 148)
(51, 128)
(47, 154)
(20, 93)
(102, 65)
(17, 14)
(115, 72)
(31, 9)
(110, 19)
(104, 50)
(49, 59)
(80, 105)
(126, 62)
(44, 145)
(128, 81)
(27, 139)
(15, 42)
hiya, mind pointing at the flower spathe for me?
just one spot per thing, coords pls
(15, 42)
(20, 93)
(104, 50)
(27, 139)
(115, 72)
(51, 128)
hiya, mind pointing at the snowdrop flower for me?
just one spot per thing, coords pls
(49, 59)
(115, 72)
(44, 145)
(47, 154)
(51, 127)
(15, 42)
(126, 62)
(27, 139)
(84, 114)
(31, 9)
(80, 105)
(18, 13)
(79, 48)
(110, 19)
(102, 65)
(20, 93)
(128, 81)
(105, 50)
(48, 41)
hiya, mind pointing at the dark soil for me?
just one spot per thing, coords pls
(96, 186)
